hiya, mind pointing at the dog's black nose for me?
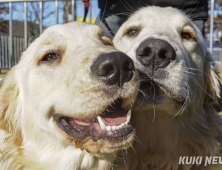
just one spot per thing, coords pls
(155, 53)
(114, 68)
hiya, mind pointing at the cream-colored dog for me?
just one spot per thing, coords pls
(179, 85)
(65, 106)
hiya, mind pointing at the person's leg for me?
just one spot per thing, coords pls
(110, 23)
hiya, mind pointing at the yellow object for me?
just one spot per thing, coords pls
(87, 20)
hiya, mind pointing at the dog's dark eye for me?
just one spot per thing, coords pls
(186, 36)
(132, 32)
(51, 57)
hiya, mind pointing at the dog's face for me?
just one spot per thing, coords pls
(77, 89)
(168, 50)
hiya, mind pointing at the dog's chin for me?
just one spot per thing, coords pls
(109, 131)
(156, 93)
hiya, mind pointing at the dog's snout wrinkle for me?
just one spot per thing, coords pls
(114, 68)
(155, 53)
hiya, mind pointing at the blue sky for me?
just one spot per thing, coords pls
(18, 11)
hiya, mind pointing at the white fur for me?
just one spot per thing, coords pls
(164, 134)
(33, 92)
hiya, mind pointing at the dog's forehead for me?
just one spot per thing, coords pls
(74, 31)
(159, 17)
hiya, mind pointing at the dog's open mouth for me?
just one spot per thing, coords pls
(112, 124)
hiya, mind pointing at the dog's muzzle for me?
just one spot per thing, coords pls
(114, 68)
(155, 53)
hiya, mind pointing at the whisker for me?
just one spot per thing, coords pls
(132, 147)
(194, 9)
(144, 99)
(130, 6)
(126, 6)
(111, 164)
(184, 104)
(137, 139)
(198, 70)
(154, 109)
(123, 13)
(190, 73)
(198, 11)
(124, 158)
(201, 87)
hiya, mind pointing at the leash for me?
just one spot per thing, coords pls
(86, 7)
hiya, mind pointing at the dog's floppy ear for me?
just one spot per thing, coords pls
(212, 82)
(10, 108)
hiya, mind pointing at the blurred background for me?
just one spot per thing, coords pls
(21, 21)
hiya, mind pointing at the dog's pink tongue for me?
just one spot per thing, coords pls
(115, 117)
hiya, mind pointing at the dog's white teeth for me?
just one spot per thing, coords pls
(113, 127)
(102, 125)
(121, 125)
(128, 117)
(109, 128)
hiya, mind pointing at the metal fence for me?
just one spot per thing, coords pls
(11, 46)
(17, 47)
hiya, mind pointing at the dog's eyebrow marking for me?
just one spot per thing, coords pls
(191, 32)
(132, 27)
(105, 40)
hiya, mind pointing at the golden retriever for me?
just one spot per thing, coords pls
(179, 85)
(66, 104)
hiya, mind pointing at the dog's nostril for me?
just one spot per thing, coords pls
(167, 54)
(144, 52)
(163, 53)
(106, 70)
